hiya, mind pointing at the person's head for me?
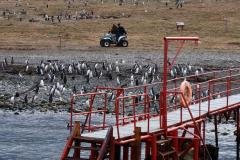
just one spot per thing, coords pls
(118, 24)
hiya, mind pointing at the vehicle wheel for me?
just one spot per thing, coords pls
(106, 43)
(102, 43)
(124, 43)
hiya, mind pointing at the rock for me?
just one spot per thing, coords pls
(43, 110)
(16, 113)
(225, 133)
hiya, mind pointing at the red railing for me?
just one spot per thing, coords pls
(75, 132)
(137, 110)
(107, 143)
(88, 104)
(213, 85)
(94, 103)
(207, 91)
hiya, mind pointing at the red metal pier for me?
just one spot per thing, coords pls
(153, 123)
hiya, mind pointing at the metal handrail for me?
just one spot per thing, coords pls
(89, 112)
(146, 113)
(227, 83)
(75, 132)
(107, 140)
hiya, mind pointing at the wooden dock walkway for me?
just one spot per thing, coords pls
(173, 118)
(176, 127)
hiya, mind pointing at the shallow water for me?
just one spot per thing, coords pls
(32, 136)
(226, 139)
(43, 136)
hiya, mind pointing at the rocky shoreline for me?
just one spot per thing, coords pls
(20, 74)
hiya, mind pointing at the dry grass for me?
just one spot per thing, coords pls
(146, 26)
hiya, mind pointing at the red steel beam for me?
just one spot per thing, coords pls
(163, 113)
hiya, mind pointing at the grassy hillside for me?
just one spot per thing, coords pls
(217, 23)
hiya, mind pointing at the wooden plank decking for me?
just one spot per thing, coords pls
(172, 118)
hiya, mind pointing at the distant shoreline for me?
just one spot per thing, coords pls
(209, 60)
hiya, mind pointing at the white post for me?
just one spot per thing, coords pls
(226, 24)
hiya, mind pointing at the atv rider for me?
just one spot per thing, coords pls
(120, 31)
(114, 29)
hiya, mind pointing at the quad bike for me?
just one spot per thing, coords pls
(110, 38)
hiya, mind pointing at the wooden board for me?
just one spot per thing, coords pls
(173, 117)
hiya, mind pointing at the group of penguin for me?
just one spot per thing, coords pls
(58, 80)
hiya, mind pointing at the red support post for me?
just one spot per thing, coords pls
(196, 142)
(227, 90)
(204, 138)
(161, 110)
(117, 115)
(163, 113)
(112, 149)
(209, 94)
(136, 145)
(93, 153)
(105, 110)
(117, 152)
(175, 90)
(199, 96)
(216, 131)
(134, 111)
(74, 133)
(145, 101)
(181, 116)
(214, 77)
(154, 148)
(174, 135)
(148, 113)
(90, 113)
(230, 84)
(123, 110)
(71, 113)
(125, 152)
(147, 149)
